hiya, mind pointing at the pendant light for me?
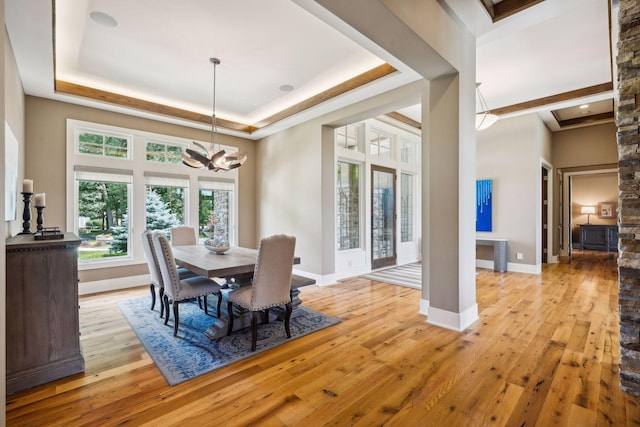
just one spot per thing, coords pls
(484, 119)
(214, 158)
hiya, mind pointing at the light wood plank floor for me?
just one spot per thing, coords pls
(544, 352)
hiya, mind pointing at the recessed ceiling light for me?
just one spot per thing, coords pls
(103, 19)
(286, 88)
(583, 106)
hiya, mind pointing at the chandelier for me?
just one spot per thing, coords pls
(214, 158)
(484, 119)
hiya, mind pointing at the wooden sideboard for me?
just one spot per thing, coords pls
(599, 237)
(43, 330)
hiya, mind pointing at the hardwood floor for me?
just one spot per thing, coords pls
(544, 352)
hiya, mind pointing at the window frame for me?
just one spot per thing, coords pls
(138, 167)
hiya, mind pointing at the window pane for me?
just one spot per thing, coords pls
(164, 153)
(102, 219)
(103, 145)
(164, 207)
(347, 137)
(408, 152)
(215, 214)
(379, 145)
(406, 208)
(348, 206)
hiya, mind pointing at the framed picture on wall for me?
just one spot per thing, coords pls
(606, 210)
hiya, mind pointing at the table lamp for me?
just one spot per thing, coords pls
(588, 210)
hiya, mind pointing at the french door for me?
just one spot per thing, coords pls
(383, 217)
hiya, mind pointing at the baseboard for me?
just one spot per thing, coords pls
(511, 266)
(454, 321)
(424, 307)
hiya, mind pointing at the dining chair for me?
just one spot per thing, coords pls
(154, 271)
(178, 290)
(183, 235)
(271, 284)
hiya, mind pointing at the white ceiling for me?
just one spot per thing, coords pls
(160, 49)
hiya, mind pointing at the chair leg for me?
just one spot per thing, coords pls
(219, 302)
(206, 309)
(161, 292)
(153, 295)
(230, 313)
(176, 318)
(166, 310)
(200, 303)
(254, 329)
(266, 316)
(287, 319)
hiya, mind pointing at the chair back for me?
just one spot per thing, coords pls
(272, 274)
(152, 259)
(167, 263)
(183, 235)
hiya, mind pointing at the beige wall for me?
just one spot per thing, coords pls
(46, 163)
(509, 153)
(592, 148)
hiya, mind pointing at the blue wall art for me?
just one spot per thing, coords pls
(483, 205)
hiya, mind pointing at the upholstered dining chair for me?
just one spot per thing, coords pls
(183, 235)
(178, 290)
(271, 285)
(154, 271)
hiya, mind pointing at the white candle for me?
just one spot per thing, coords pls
(40, 200)
(27, 186)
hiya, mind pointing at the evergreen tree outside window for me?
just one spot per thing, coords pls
(348, 206)
(103, 205)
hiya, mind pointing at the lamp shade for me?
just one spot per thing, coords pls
(588, 210)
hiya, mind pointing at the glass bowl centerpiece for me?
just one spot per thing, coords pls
(216, 241)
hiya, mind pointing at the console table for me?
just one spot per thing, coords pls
(500, 252)
(43, 330)
(599, 237)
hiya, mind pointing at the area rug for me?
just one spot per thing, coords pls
(191, 353)
(409, 275)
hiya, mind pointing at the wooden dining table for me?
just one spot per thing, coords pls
(231, 269)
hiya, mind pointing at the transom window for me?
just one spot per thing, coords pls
(163, 152)
(103, 144)
(379, 144)
(348, 137)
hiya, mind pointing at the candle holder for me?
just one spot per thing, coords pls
(26, 214)
(40, 218)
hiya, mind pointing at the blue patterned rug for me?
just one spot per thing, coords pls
(191, 353)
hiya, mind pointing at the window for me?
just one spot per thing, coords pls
(122, 181)
(163, 152)
(165, 202)
(348, 206)
(348, 137)
(408, 152)
(103, 144)
(406, 207)
(379, 144)
(216, 210)
(102, 214)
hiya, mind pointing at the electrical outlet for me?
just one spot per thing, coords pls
(519, 255)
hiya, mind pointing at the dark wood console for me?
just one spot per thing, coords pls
(599, 237)
(43, 330)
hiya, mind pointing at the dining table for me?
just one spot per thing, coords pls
(231, 269)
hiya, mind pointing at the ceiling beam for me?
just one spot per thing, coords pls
(561, 97)
(506, 8)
